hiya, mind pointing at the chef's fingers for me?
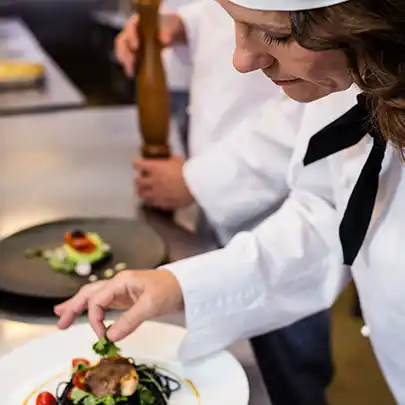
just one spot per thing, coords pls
(61, 308)
(74, 307)
(129, 321)
(147, 195)
(148, 165)
(129, 45)
(150, 197)
(97, 306)
(58, 309)
(131, 30)
(132, 33)
(129, 65)
(142, 182)
(124, 54)
(166, 36)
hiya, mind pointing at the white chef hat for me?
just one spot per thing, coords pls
(286, 5)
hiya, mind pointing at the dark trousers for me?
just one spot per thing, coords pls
(296, 362)
(179, 104)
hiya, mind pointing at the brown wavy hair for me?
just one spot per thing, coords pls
(372, 35)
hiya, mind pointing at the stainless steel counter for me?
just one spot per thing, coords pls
(17, 42)
(78, 164)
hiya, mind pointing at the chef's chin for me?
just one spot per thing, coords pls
(305, 92)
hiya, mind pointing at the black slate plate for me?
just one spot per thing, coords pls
(132, 242)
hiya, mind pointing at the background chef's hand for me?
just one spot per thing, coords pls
(143, 294)
(172, 31)
(160, 183)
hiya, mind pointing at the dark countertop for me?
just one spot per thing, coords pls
(17, 42)
(77, 163)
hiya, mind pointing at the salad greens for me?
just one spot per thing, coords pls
(77, 395)
(146, 397)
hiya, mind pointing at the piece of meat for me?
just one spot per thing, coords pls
(105, 378)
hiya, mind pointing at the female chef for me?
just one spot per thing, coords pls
(346, 204)
(229, 124)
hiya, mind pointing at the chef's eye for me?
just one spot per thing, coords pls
(270, 40)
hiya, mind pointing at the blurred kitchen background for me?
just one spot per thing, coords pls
(79, 36)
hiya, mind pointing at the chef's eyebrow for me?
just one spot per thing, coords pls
(271, 28)
(274, 29)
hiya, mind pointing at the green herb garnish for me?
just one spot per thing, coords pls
(80, 367)
(79, 396)
(145, 396)
(105, 348)
(31, 253)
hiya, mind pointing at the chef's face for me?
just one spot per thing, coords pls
(264, 41)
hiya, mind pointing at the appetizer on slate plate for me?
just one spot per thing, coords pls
(81, 253)
(114, 380)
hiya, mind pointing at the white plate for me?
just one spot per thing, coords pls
(43, 363)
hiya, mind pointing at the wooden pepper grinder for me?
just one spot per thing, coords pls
(153, 96)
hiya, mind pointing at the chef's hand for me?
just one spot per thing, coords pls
(143, 294)
(172, 31)
(160, 183)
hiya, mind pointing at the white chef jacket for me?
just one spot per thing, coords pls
(221, 97)
(233, 182)
(290, 266)
(176, 59)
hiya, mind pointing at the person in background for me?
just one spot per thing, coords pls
(226, 107)
(215, 108)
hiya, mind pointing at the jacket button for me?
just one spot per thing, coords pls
(365, 331)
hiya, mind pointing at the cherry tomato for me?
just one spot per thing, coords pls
(75, 362)
(79, 381)
(46, 398)
(81, 244)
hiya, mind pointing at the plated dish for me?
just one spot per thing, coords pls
(113, 380)
(45, 364)
(80, 254)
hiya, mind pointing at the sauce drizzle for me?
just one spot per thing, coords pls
(37, 390)
(194, 389)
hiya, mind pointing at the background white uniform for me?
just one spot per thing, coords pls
(223, 102)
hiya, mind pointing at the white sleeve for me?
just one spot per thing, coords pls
(191, 15)
(241, 179)
(268, 278)
(287, 268)
(178, 58)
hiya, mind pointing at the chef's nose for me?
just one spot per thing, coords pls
(249, 54)
(245, 62)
